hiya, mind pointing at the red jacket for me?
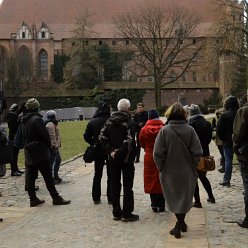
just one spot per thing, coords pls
(147, 138)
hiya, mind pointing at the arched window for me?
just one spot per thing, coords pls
(25, 62)
(43, 35)
(43, 64)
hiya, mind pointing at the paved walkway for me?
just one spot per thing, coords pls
(83, 224)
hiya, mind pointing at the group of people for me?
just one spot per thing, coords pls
(117, 139)
(41, 141)
(170, 175)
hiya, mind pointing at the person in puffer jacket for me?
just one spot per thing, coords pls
(224, 130)
(53, 130)
(91, 134)
(36, 151)
(152, 184)
(118, 138)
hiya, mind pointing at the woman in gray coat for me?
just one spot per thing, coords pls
(177, 152)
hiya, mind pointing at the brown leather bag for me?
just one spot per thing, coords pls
(206, 164)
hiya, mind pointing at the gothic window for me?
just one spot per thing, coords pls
(23, 35)
(24, 62)
(43, 35)
(43, 64)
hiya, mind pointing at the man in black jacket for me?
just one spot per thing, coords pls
(12, 119)
(224, 131)
(36, 149)
(140, 118)
(91, 134)
(118, 138)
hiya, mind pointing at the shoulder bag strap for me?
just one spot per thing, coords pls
(178, 135)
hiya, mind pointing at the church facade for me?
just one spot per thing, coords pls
(35, 31)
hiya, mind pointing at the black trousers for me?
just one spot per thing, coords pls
(138, 147)
(127, 172)
(157, 200)
(96, 187)
(206, 184)
(46, 172)
(13, 164)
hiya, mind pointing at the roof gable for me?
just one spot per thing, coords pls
(60, 15)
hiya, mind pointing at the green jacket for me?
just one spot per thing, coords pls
(240, 131)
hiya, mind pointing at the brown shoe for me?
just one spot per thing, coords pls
(60, 201)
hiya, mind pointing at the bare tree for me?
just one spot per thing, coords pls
(163, 43)
(82, 68)
(231, 32)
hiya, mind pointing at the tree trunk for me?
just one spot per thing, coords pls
(157, 90)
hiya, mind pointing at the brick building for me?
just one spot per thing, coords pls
(37, 30)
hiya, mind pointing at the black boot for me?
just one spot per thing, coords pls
(183, 227)
(243, 223)
(176, 231)
(58, 200)
(36, 201)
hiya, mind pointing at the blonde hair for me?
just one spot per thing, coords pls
(176, 112)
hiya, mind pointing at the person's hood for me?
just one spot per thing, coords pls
(28, 115)
(120, 117)
(103, 110)
(153, 126)
(53, 120)
(231, 102)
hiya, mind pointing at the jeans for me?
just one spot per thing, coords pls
(127, 171)
(244, 175)
(228, 154)
(46, 172)
(55, 161)
(222, 158)
(96, 187)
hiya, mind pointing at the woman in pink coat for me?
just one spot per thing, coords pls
(147, 138)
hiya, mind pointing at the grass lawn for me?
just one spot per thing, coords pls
(72, 140)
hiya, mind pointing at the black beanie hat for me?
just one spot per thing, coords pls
(153, 114)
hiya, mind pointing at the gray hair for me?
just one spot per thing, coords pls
(123, 105)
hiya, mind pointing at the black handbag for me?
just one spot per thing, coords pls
(6, 153)
(89, 154)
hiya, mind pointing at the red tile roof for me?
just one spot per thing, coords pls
(59, 15)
